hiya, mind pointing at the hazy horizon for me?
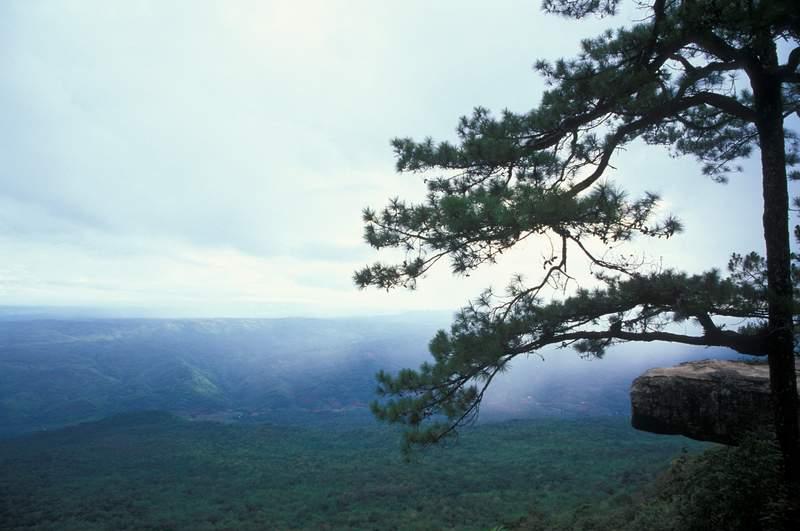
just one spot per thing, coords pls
(219, 166)
(70, 312)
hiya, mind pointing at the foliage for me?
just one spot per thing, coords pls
(700, 77)
(732, 488)
(154, 471)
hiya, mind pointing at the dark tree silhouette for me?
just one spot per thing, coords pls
(701, 77)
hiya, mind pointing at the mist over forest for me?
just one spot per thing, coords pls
(56, 372)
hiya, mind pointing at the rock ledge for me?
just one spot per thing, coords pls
(709, 400)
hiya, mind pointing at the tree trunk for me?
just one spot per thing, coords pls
(780, 340)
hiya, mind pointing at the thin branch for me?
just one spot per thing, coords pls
(599, 262)
(473, 407)
(560, 267)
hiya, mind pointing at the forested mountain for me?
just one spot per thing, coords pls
(154, 471)
(55, 372)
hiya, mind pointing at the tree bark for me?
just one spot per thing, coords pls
(780, 338)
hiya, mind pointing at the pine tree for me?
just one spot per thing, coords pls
(700, 77)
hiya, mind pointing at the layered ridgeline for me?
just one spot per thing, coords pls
(55, 372)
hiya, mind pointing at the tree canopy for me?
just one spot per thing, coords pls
(699, 77)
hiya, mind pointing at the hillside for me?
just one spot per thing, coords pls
(59, 372)
(55, 372)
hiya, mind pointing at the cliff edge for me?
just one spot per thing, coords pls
(709, 400)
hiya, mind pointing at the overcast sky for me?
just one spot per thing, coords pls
(212, 158)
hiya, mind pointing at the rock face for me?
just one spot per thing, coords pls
(710, 400)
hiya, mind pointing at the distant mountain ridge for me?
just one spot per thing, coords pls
(56, 372)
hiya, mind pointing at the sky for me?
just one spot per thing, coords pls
(199, 158)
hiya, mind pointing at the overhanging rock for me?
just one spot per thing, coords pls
(710, 400)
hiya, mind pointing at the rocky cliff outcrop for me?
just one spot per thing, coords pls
(710, 400)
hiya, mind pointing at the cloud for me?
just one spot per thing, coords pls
(215, 156)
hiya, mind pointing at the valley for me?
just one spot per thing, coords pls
(57, 372)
